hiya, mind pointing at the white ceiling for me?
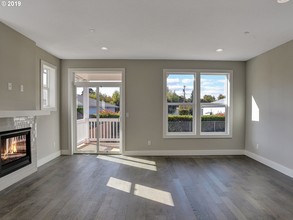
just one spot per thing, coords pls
(153, 29)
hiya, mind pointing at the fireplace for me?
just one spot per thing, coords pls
(15, 150)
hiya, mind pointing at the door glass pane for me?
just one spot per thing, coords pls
(109, 119)
(86, 125)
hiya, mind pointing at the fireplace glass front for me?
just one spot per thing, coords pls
(15, 150)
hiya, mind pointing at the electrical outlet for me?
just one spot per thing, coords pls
(10, 86)
(149, 142)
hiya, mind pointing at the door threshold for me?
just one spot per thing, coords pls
(109, 153)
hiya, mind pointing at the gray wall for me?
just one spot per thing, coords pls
(48, 141)
(20, 65)
(144, 81)
(270, 81)
(17, 66)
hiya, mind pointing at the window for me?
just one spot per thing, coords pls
(197, 104)
(48, 86)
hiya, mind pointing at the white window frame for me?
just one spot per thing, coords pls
(197, 105)
(51, 86)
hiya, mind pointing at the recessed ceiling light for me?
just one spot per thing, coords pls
(92, 30)
(282, 1)
(104, 48)
(219, 50)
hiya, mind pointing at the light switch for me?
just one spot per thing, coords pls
(21, 88)
(9, 86)
(127, 115)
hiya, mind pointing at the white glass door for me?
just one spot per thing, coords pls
(109, 129)
(98, 125)
(86, 119)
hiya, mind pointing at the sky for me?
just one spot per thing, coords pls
(210, 84)
(104, 90)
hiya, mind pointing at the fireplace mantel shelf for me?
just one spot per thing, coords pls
(9, 114)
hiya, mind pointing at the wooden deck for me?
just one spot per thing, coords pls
(104, 147)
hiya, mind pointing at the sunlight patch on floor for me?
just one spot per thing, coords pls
(145, 192)
(121, 185)
(150, 162)
(126, 161)
(153, 194)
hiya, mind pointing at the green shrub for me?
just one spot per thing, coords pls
(106, 114)
(185, 110)
(189, 118)
(213, 118)
(80, 109)
(179, 117)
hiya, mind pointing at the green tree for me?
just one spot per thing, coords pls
(221, 96)
(105, 98)
(172, 96)
(116, 98)
(92, 94)
(185, 110)
(208, 99)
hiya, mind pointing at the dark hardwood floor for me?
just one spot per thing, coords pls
(130, 188)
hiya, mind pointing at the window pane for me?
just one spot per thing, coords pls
(213, 88)
(180, 88)
(45, 79)
(180, 118)
(45, 97)
(213, 118)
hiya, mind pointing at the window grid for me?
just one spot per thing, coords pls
(197, 106)
(48, 86)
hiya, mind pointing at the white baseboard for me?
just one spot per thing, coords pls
(48, 158)
(183, 152)
(65, 152)
(276, 166)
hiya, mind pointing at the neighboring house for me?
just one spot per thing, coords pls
(212, 109)
(93, 105)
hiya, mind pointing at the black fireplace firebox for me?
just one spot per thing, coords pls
(15, 150)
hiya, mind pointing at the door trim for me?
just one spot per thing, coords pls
(71, 116)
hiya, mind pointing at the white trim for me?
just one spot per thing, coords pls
(276, 166)
(48, 158)
(184, 152)
(7, 114)
(65, 152)
(70, 110)
(196, 105)
(52, 86)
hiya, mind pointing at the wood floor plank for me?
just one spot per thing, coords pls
(147, 188)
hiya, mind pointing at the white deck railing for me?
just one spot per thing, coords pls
(109, 129)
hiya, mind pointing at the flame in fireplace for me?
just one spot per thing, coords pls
(11, 149)
(5, 155)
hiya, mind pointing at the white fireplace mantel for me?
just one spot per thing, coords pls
(9, 114)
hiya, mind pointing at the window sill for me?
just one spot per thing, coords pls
(202, 136)
(51, 109)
